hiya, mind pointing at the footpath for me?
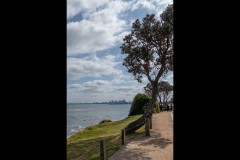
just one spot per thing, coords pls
(159, 146)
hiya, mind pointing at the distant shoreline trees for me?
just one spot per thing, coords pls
(164, 90)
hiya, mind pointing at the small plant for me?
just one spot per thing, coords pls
(156, 108)
(90, 128)
(105, 121)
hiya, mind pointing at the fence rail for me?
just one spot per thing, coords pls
(133, 126)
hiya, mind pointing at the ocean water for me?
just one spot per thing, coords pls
(80, 116)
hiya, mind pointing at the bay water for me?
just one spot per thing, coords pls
(80, 116)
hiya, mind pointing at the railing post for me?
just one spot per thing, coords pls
(147, 126)
(150, 118)
(123, 136)
(102, 150)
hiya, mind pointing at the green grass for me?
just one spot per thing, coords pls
(85, 144)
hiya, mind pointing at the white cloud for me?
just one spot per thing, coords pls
(160, 6)
(103, 24)
(124, 87)
(154, 6)
(103, 90)
(76, 6)
(92, 67)
(143, 3)
(99, 30)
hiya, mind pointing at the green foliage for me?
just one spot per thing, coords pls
(156, 108)
(139, 101)
(105, 121)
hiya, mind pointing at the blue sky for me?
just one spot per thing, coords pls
(95, 29)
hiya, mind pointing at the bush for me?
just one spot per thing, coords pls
(139, 101)
(156, 108)
(105, 121)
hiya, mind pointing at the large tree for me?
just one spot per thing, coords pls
(149, 48)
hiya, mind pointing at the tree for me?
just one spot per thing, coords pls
(163, 91)
(149, 48)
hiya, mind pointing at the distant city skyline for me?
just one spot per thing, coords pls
(95, 30)
(123, 101)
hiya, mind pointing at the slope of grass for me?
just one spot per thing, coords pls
(85, 144)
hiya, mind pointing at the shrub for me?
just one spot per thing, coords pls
(156, 108)
(139, 101)
(105, 121)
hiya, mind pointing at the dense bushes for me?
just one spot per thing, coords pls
(139, 101)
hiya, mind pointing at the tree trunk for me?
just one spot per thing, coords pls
(154, 94)
(160, 99)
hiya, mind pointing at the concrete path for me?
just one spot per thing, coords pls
(159, 146)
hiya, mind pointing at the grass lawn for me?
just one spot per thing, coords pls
(84, 145)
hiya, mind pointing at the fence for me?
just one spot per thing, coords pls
(129, 129)
(96, 149)
(125, 132)
(106, 144)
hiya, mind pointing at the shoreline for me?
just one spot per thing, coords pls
(82, 116)
(93, 126)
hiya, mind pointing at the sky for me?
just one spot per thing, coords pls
(95, 29)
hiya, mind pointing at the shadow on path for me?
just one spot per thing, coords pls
(133, 154)
(156, 140)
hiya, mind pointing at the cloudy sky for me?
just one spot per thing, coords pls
(95, 29)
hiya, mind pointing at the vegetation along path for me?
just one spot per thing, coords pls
(159, 146)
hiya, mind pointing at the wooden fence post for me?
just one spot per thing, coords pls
(123, 136)
(147, 126)
(102, 150)
(150, 118)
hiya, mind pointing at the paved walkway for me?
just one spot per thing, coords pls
(159, 146)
